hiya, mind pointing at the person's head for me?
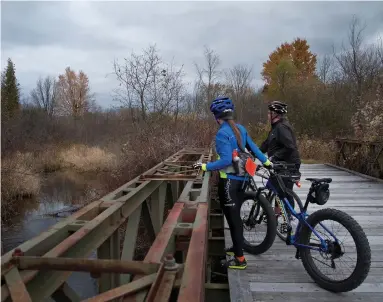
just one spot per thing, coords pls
(277, 110)
(223, 110)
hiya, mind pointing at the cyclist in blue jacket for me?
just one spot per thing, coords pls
(230, 137)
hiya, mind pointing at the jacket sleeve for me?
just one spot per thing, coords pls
(224, 150)
(285, 138)
(254, 148)
(265, 145)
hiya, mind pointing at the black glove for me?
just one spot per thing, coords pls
(197, 165)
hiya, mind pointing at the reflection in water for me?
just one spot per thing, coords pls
(60, 190)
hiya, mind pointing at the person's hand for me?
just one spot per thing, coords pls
(199, 165)
(268, 164)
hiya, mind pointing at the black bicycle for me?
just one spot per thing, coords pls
(330, 248)
(292, 176)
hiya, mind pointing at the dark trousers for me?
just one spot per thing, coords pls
(290, 184)
(231, 196)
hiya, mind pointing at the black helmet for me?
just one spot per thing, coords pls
(278, 107)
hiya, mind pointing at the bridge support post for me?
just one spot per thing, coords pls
(130, 239)
(65, 294)
(157, 207)
(110, 249)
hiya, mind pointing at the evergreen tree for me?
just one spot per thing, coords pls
(10, 91)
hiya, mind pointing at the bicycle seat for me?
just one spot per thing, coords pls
(319, 180)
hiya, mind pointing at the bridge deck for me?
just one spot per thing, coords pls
(277, 276)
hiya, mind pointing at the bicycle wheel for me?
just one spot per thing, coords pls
(261, 222)
(281, 220)
(336, 251)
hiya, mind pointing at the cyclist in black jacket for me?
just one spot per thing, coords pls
(281, 144)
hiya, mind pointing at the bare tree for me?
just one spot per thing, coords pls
(359, 64)
(325, 69)
(208, 75)
(137, 76)
(44, 96)
(379, 50)
(150, 83)
(238, 79)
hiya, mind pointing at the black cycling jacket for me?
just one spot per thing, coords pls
(281, 143)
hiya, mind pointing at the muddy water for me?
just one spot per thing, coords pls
(60, 191)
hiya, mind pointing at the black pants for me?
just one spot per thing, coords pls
(290, 184)
(231, 196)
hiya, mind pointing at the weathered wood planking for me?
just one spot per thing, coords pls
(277, 276)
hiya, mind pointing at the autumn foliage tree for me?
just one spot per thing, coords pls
(73, 93)
(290, 61)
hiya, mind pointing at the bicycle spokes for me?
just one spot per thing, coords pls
(254, 222)
(338, 260)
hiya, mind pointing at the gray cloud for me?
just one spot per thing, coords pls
(45, 37)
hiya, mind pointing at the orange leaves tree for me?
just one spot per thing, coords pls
(73, 93)
(289, 63)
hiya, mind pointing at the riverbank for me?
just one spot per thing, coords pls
(24, 175)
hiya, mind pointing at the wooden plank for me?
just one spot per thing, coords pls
(308, 287)
(277, 276)
(238, 279)
(325, 297)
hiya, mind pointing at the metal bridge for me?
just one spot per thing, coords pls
(182, 264)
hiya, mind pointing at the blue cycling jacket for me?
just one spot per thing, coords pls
(225, 143)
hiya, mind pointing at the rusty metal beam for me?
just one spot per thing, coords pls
(169, 177)
(163, 241)
(84, 265)
(163, 244)
(116, 194)
(16, 286)
(162, 288)
(193, 282)
(84, 241)
(166, 286)
(126, 289)
(86, 230)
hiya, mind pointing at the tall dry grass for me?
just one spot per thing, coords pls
(19, 176)
(19, 179)
(87, 159)
(316, 149)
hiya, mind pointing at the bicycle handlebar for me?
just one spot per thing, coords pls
(276, 168)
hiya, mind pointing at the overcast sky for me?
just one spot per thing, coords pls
(43, 38)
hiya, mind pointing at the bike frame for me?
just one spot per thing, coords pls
(301, 216)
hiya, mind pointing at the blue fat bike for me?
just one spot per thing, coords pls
(316, 248)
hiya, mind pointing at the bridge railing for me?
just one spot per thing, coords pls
(39, 268)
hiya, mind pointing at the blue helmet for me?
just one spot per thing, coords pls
(222, 107)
